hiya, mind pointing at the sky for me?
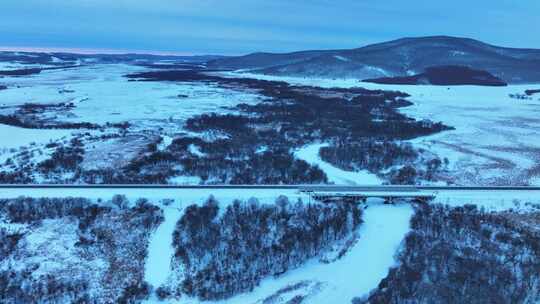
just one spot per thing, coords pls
(233, 27)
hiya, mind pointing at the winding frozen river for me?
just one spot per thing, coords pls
(310, 154)
(160, 249)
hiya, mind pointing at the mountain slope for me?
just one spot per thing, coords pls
(402, 57)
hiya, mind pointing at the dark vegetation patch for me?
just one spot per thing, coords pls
(220, 163)
(21, 72)
(33, 71)
(371, 155)
(172, 66)
(274, 298)
(531, 92)
(8, 242)
(65, 91)
(38, 116)
(464, 255)
(249, 242)
(17, 121)
(117, 234)
(445, 75)
(40, 58)
(64, 158)
(520, 96)
(400, 158)
(3, 87)
(16, 177)
(31, 116)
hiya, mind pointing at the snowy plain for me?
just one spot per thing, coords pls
(14, 138)
(100, 94)
(495, 141)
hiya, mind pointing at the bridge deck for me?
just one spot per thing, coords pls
(269, 192)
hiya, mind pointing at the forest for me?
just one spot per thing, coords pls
(248, 241)
(95, 253)
(465, 255)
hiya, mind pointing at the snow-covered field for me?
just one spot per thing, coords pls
(101, 94)
(14, 138)
(495, 141)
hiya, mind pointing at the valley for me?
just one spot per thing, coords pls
(125, 123)
(251, 139)
(459, 116)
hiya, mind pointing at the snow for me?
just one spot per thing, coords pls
(495, 140)
(261, 149)
(160, 249)
(184, 180)
(51, 247)
(13, 138)
(13, 227)
(491, 200)
(375, 71)
(166, 141)
(500, 200)
(194, 149)
(310, 154)
(355, 274)
(341, 58)
(457, 53)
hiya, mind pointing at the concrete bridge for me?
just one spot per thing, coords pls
(362, 193)
(390, 193)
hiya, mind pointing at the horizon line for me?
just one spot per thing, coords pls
(96, 51)
(113, 51)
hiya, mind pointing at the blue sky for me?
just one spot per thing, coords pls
(243, 26)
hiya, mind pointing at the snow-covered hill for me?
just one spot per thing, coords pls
(402, 57)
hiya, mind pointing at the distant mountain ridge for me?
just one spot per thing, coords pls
(61, 58)
(402, 57)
